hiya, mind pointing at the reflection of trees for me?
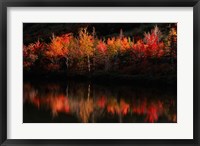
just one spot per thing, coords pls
(90, 109)
(86, 108)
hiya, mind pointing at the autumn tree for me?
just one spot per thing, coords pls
(86, 45)
(154, 43)
(31, 54)
(101, 51)
(57, 49)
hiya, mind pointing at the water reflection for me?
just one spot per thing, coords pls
(85, 102)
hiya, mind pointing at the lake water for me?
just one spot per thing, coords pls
(87, 102)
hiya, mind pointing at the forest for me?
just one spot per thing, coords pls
(99, 72)
(148, 55)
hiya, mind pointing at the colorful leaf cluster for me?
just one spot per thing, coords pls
(87, 53)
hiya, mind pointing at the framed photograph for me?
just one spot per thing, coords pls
(99, 72)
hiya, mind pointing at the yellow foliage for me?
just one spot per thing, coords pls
(86, 42)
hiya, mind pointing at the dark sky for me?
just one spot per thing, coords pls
(43, 31)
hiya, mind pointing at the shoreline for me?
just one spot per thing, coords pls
(106, 78)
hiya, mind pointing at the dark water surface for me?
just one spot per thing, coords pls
(76, 102)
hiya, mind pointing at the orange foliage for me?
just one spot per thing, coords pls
(59, 45)
(75, 49)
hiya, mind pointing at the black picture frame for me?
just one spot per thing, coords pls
(98, 3)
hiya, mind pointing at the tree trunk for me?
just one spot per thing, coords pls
(67, 91)
(88, 59)
(88, 96)
(94, 97)
(67, 62)
(94, 61)
(107, 64)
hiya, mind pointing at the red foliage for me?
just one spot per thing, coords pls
(102, 48)
(76, 49)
